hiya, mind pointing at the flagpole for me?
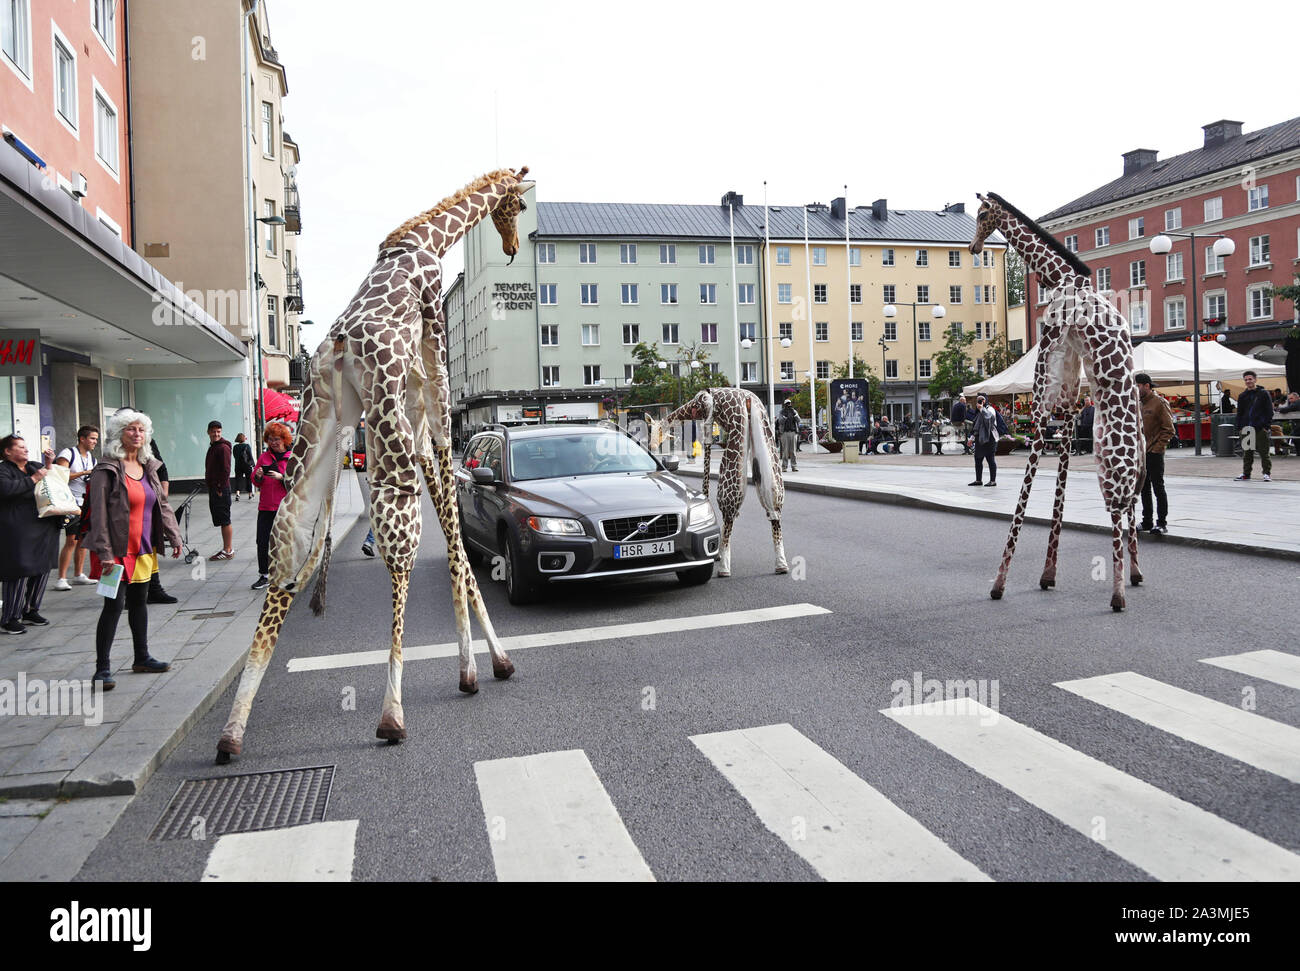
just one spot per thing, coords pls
(767, 307)
(812, 365)
(848, 277)
(735, 295)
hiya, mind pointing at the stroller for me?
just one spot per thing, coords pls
(183, 518)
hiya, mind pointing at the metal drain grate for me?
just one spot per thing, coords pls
(246, 803)
(219, 613)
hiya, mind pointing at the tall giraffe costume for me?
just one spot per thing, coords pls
(385, 359)
(743, 419)
(1079, 323)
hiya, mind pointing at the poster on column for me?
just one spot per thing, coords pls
(850, 409)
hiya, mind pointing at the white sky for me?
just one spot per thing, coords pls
(923, 102)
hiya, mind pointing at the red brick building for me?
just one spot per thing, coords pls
(1244, 185)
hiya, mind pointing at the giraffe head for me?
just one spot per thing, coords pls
(699, 408)
(506, 214)
(987, 221)
(656, 432)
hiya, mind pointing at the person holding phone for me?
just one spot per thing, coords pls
(269, 477)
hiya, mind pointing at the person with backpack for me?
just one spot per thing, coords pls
(787, 429)
(986, 441)
(79, 462)
(243, 456)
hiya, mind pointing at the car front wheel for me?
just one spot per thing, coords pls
(520, 588)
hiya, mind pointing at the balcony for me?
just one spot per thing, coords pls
(292, 212)
(293, 294)
(298, 368)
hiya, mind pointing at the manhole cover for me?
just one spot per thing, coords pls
(219, 613)
(246, 803)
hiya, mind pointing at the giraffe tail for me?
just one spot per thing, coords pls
(318, 592)
(762, 458)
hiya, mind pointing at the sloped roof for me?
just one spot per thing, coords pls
(1230, 154)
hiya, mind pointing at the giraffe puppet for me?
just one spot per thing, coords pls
(1079, 324)
(743, 419)
(384, 358)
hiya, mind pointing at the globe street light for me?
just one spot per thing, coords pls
(1223, 246)
(747, 343)
(936, 311)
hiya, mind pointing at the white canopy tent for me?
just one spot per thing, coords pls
(1168, 362)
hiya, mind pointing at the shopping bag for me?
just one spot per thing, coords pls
(53, 496)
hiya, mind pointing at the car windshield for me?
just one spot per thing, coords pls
(588, 453)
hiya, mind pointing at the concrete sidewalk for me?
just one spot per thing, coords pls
(50, 763)
(1206, 507)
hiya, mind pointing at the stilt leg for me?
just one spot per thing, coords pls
(392, 720)
(781, 565)
(1117, 560)
(1134, 572)
(1018, 520)
(724, 554)
(1048, 579)
(274, 609)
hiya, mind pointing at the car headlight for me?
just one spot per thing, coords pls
(702, 515)
(556, 527)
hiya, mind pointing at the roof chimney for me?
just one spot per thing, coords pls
(733, 198)
(838, 208)
(956, 207)
(1139, 159)
(1218, 132)
(880, 209)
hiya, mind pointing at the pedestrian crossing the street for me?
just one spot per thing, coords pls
(548, 816)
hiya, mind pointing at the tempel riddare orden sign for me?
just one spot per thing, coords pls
(20, 352)
(513, 296)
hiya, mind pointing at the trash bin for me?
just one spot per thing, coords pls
(927, 443)
(1223, 443)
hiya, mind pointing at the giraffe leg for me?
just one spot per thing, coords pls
(731, 492)
(1134, 572)
(708, 467)
(1117, 560)
(274, 609)
(1048, 579)
(1018, 520)
(724, 554)
(781, 565)
(392, 720)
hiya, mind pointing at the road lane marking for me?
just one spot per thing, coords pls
(549, 819)
(1163, 835)
(317, 853)
(580, 635)
(1241, 735)
(1275, 666)
(841, 826)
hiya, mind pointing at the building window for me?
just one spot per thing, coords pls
(551, 376)
(546, 294)
(1173, 219)
(627, 252)
(667, 253)
(706, 254)
(990, 293)
(629, 293)
(954, 294)
(745, 293)
(744, 255)
(823, 330)
(550, 335)
(1259, 250)
(785, 330)
(955, 327)
(668, 293)
(979, 330)
(1072, 243)
(631, 334)
(749, 371)
(819, 293)
(670, 334)
(923, 257)
(268, 130)
(787, 370)
(923, 367)
(954, 258)
(1173, 267)
(1258, 198)
(1213, 209)
(891, 369)
(923, 330)
(1137, 273)
(823, 370)
(101, 18)
(783, 256)
(1137, 227)
(268, 210)
(1137, 317)
(979, 366)
(1103, 281)
(586, 252)
(922, 293)
(16, 37)
(589, 294)
(65, 80)
(545, 252)
(591, 335)
(591, 374)
(888, 293)
(273, 321)
(1213, 263)
(855, 330)
(783, 294)
(708, 293)
(1216, 308)
(748, 331)
(106, 137)
(855, 256)
(891, 330)
(1176, 313)
(886, 257)
(1260, 303)
(819, 255)
(855, 293)
(986, 257)
(708, 333)
(1102, 237)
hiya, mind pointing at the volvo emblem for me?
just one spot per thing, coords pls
(642, 527)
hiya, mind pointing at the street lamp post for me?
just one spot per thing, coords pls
(1223, 246)
(938, 313)
(747, 343)
(884, 346)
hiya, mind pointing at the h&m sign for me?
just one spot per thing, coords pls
(20, 352)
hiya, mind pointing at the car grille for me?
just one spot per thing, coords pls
(625, 530)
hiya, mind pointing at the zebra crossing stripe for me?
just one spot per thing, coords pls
(1283, 669)
(1163, 835)
(1241, 735)
(549, 819)
(842, 827)
(316, 852)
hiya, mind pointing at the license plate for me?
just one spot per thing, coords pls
(629, 550)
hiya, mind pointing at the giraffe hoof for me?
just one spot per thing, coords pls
(1136, 579)
(996, 593)
(1117, 603)
(391, 729)
(779, 570)
(1046, 584)
(223, 758)
(228, 747)
(724, 573)
(469, 687)
(502, 671)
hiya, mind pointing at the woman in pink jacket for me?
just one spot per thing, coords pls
(268, 476)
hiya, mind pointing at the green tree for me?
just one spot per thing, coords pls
(652, 384)
(1015, 279)
(999, 356)
(953, 366)
(1291, 293)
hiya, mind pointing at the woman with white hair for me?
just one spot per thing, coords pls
(129, 521)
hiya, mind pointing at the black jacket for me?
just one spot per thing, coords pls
(243, 458)
(787, 420)
(30, 543)
(1254, 408)
(958, 413)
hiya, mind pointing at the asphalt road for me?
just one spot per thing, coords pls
(906, 591)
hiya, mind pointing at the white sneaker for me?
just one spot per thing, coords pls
(1267, 477)
(62, 584)
(83, 580)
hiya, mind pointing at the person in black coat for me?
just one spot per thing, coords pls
(243, 455)
(1087, 417)
(30, 543)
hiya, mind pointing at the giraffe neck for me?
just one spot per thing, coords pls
(1038, 256)
(441, 232)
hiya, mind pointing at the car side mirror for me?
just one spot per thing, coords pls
(482, 476)
(671, 463)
